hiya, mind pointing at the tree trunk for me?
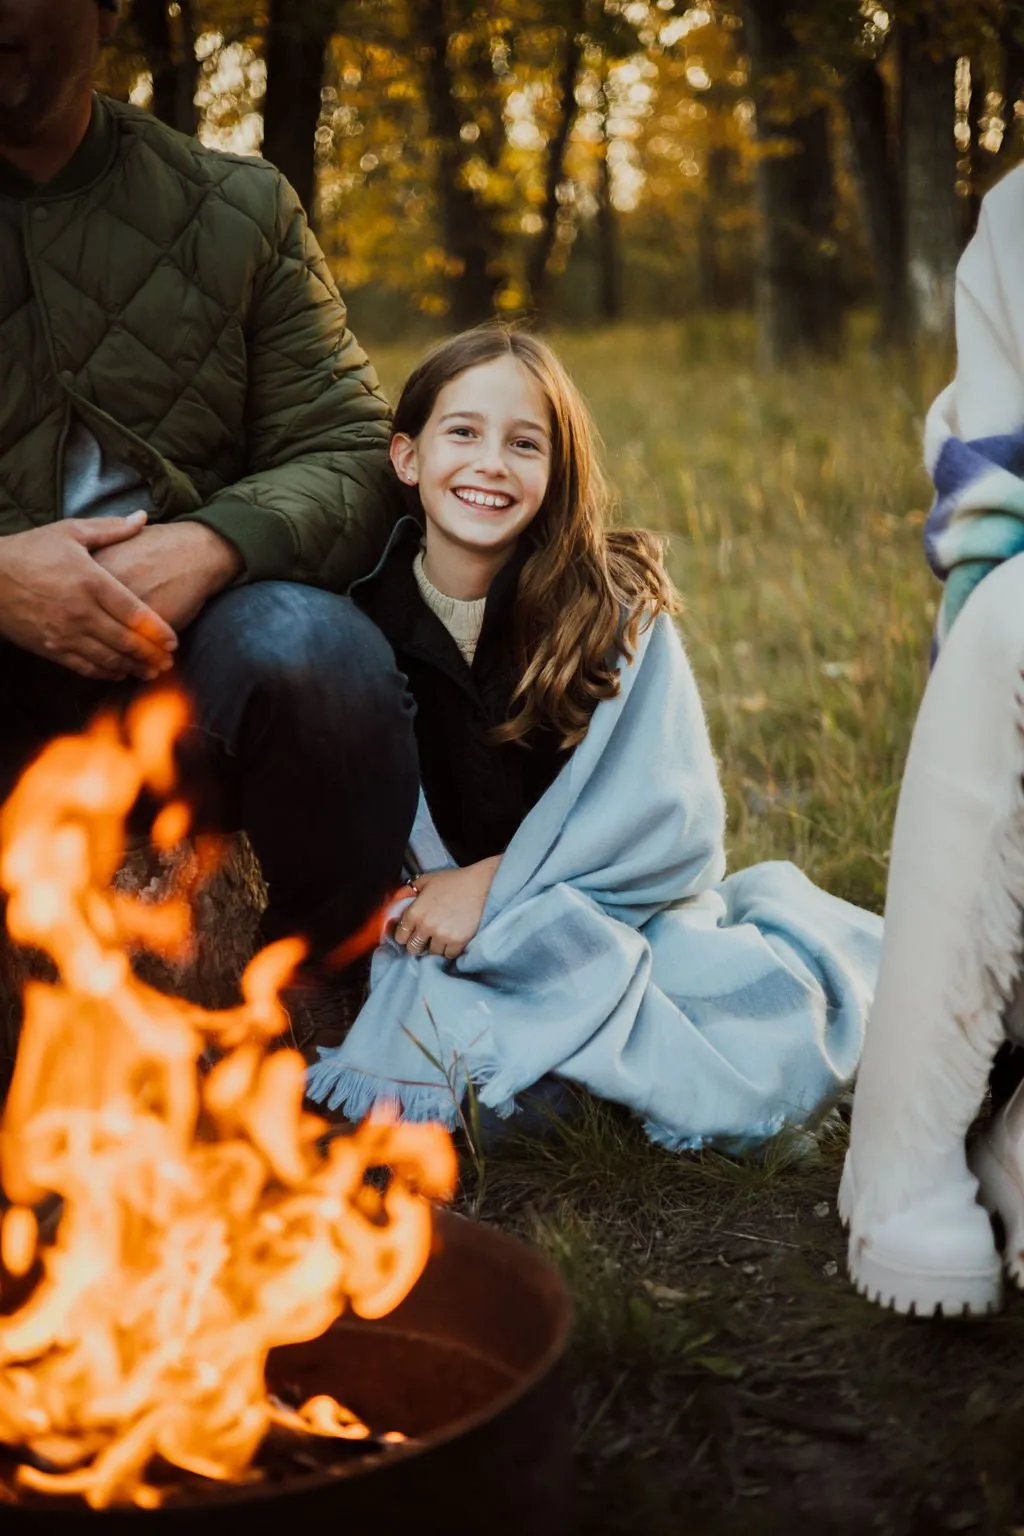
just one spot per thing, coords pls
(544, 243)
(467, 239)
(875, 155)
(295, 53)
(609, 245)
(933, 232)
(711, 285)
(172, 61)
(798, 299)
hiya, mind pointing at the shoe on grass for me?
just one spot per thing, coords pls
(935, 1255)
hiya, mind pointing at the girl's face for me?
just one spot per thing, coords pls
(483, 458)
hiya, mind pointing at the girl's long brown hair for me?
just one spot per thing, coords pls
(586, 589)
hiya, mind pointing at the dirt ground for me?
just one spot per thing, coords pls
(727, 1378)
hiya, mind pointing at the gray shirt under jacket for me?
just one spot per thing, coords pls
(95, 485)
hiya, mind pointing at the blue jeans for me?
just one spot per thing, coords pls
(302, 737)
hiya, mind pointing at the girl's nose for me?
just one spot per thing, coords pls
(490, 459)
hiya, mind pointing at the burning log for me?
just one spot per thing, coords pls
(225, 918)
(204, 1223)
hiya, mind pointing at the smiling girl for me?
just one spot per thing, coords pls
(507, 600)
(571, 920)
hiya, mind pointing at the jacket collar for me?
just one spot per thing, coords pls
(391, 598)
(89, 160)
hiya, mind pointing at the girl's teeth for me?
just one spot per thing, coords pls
(477, 499)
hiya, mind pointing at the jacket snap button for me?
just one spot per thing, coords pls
(41, 215)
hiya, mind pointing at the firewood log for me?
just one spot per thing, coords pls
(226, 914)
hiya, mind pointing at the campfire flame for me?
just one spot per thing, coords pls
(203, 1223)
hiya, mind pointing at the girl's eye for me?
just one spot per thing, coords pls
(527, 442)
(461, 431)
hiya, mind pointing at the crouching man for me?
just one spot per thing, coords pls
(192, 464)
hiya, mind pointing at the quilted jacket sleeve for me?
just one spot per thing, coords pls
(315, 505)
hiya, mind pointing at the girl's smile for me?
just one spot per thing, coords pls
(481, 464)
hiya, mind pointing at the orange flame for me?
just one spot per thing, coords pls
(202, 1222)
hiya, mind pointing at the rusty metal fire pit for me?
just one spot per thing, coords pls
(469, 1366)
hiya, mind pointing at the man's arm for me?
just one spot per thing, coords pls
(315, 505)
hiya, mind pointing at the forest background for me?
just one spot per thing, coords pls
(593, 160)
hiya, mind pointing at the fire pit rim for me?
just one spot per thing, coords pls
(447, 1222)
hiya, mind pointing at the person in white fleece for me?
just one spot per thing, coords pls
(916, 1197)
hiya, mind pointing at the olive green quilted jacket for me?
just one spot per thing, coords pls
(176, 299)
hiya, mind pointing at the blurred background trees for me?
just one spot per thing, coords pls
(587, 160)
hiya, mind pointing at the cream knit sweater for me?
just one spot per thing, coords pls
(461, 617)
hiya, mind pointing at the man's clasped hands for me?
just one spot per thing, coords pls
(106, 596)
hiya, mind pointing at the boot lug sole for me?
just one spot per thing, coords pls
(920, 1293)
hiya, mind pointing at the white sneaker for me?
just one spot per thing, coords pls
(935, 1255)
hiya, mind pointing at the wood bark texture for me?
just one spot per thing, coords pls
(226, 915)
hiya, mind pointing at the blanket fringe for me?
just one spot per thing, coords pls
(968, 1034)
(356, 1093)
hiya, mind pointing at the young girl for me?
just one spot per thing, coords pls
(569, 917)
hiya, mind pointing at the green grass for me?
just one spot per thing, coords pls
(725, 1376)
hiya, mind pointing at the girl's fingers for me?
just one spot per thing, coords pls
(409, 937)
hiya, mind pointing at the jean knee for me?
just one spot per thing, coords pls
(308, 653)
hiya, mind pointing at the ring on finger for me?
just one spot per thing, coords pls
(417, 944)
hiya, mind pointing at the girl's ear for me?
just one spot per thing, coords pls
(403, 457)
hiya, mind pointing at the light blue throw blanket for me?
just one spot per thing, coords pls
(610, 953)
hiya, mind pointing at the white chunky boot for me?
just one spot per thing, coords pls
(919, 1240)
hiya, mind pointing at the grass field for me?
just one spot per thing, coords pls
(725, 1377)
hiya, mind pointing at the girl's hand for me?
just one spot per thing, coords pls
(447, 910)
